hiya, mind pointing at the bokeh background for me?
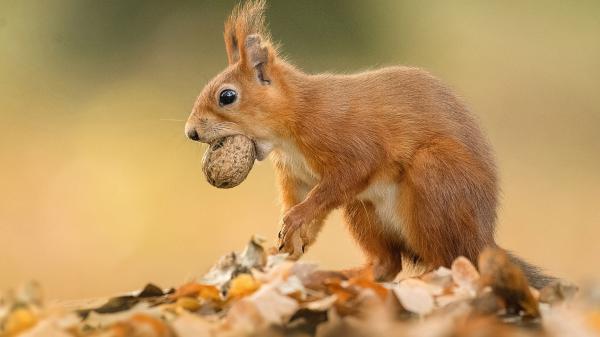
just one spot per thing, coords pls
(100, 192)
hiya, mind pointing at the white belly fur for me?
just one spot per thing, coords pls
(383, 195)
(291, 157)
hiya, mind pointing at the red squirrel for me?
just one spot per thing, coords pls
(395, 148)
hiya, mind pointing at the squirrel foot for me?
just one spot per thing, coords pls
(292, 236)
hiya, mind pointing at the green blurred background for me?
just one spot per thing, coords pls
(100, 191)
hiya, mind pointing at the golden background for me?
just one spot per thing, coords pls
(100, 192)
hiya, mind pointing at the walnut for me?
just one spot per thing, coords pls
(227, 162)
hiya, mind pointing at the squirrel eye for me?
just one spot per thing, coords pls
(227, 97)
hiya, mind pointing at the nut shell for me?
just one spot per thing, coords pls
(227, 162)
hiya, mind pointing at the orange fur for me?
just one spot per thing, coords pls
(394, 147)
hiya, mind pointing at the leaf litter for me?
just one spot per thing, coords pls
(257, 293)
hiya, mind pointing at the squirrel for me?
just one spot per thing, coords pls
(394, 148)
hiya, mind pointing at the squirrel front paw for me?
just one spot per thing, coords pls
(293, 245)
(292, 239)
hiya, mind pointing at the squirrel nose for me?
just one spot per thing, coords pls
(192, 134)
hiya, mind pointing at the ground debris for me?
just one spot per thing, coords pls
(254, 293)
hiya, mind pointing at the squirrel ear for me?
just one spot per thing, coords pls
(232, 46)
(257, 57)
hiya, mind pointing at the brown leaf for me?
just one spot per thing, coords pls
(464, 273)
(343, 294)
(194, 289)
(267, 305)
(141, 325)
(188, 303)
(19, 320)
(46, 328)
(241, 286)
(441, 279)
(188, 325)
(414, 296)
(366, 280)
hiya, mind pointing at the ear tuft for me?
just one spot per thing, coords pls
(246, 19)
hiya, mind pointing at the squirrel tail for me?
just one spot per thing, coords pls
(534, 274)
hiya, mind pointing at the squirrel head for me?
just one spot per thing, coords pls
(246, 96)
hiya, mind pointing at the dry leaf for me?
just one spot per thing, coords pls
(343, 294)
(188, 303)
(193, 289)
(366, 280)
(222, 272)
(233, 264)
(46, 328)
(254, 255)
(18, 321)
(414, 297)
(274, 307)
(440, 280)
(269, 296)
(293, 287)
(266, 306)
(464, 273)
(323, 304)
(100, 321)
(140, 325)
(188, 325)
(242, 285)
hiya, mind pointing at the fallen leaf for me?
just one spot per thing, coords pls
(366, 280)
(188, 325)
(46, 328)
(19, 320)
(440, 280)
(343, 294)
(292, 287)
(188, 303)
(414, 297)
(140, 325)
(242, 285)
(464, 273)
(151, 290)
(222, 272)
(194, 289)
(254, 255)
(274, 307)
(323, 304)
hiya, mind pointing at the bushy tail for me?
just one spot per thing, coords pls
(534, 274)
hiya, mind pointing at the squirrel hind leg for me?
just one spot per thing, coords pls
(384, 255)
(447, 205)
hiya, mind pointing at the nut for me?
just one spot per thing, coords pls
(228, 161)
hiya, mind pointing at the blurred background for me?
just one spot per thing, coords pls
(100, 192)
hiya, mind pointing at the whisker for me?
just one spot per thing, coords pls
(171, 120)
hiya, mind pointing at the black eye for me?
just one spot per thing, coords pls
(227, 97)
